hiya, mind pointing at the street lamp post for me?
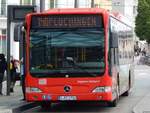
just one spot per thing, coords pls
(76, 3)
(92, 3)
(42, 5)
(33, 2)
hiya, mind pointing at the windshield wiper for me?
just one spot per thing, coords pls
(71, 61)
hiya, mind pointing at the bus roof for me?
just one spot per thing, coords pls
(116, 15)
(77, 10)
(72, 11)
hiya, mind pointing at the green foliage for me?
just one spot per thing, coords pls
(142, 28)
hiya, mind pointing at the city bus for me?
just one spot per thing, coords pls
(78, 54)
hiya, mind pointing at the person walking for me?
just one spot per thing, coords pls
(144, 52)
(12, 74)
(3, 67)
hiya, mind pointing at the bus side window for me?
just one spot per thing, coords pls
(116, 56)
(112, 57)
(114, 50)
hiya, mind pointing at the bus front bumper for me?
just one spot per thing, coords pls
(31, 97)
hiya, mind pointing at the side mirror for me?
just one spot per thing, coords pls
(114, 40)
(18, 32)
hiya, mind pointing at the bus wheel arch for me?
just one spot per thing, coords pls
(118, 87)
(118, 82)
(126, 93)
(130, 82)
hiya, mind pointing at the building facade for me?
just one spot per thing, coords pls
(126, 7)
(3, 24)
(106, 4)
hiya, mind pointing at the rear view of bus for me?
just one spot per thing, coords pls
(67, 56)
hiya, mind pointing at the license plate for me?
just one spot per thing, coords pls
(67, 98)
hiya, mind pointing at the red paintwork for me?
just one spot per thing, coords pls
(83, 91)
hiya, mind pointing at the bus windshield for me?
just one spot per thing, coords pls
(76, 52)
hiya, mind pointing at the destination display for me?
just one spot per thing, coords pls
(66, 21)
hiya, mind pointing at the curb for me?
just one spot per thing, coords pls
(24, 107)
(19, 109)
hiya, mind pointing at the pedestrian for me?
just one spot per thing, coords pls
(12, 74)
(3, 67)
(22, 75)
(144, 52)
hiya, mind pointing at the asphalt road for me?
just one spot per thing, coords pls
(125, 105)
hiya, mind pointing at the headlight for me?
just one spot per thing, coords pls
(102, 89)
(33, 90)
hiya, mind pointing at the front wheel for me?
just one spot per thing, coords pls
(113, 103)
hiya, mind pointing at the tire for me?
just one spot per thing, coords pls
(45, 105)
(113, 103)
(126, 93)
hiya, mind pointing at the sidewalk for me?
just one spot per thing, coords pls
(12, 103)
(7, 103)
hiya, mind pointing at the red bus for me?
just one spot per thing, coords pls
(78, 55)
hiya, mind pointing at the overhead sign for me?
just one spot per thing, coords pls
(18, 13)
(66, 21)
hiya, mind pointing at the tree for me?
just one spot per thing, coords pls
(142, 23)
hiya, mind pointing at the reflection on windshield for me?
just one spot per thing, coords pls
(67, 51)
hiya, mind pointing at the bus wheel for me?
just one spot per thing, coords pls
(126, 93)
(114, 102)
(45, 105)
